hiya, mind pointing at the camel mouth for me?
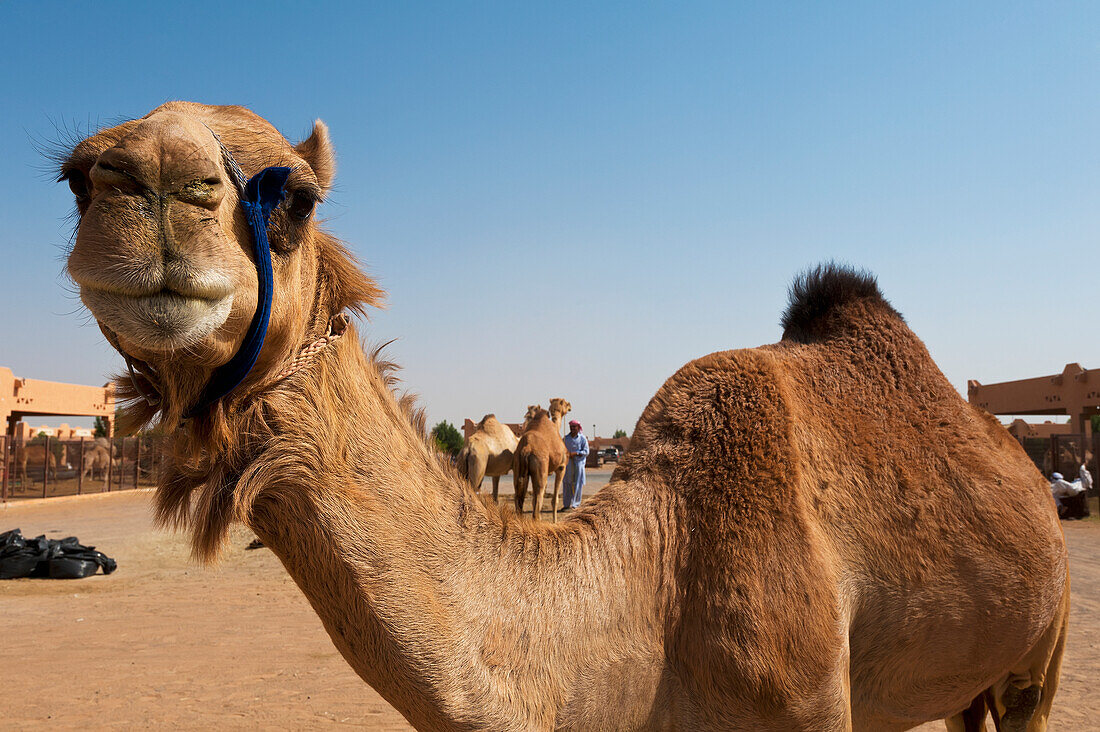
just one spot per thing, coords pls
(162, 321)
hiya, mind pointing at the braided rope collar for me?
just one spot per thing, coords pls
(337, 324)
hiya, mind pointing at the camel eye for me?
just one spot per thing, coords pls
(78, 184)
(300, 205)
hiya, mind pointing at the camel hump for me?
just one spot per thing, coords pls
(817, 295)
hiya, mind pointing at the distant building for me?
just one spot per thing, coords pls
(599, 443)
(21, 397)
(1074, 392)
(61, 432)
(1021, 429)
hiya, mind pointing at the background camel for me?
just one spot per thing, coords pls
(488, 451)
(795, 540)
(34, 455)
(539, 453)
(97, 458)
(542, 455)
(557, 410)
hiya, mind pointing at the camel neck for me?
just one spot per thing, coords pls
(450, 608)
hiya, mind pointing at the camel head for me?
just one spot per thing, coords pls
(533, 411)
(559, 408)
(163, 254)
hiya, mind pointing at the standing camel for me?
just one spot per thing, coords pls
(795, 540)
(487, 452)
(34, 455)
(540, 452)
(97, 457)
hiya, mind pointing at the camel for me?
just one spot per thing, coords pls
(540, 453)
(557, 410)
(795, 541)
(97, 458)
(34, 455)
(531, 413)
(488, 451)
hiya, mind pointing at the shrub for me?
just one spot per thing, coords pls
(447, 438)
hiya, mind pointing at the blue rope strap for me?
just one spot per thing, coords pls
(259, 197)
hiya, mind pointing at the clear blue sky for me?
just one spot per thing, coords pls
(567, 200)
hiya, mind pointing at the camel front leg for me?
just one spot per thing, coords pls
(1021, 700)
(496, 487)
(971, 719)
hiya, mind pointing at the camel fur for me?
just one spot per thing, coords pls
(487, 452)
(817, 534)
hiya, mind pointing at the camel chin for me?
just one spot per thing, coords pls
(165, 321)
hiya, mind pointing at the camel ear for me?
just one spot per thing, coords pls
(317, 151)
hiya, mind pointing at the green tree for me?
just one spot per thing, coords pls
(619, 433)
(100, 427)
(447, 438)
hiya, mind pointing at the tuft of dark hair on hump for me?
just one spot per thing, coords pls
(816, 295)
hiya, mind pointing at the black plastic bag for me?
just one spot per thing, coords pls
(18, 565)
(55, 558)
(72, 568)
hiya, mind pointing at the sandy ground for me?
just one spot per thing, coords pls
(164, 643)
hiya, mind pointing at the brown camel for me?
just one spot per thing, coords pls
(97, 458)
(487, 452)
(34, 455)
(795, 540)
(558, 409)
(540, 453)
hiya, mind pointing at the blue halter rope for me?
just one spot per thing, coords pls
(259, 197)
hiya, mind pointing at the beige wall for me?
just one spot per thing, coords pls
(61, 432)
(1020, 429)
(1075, 392)
(23, 397)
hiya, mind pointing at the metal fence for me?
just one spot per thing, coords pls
(1068, 452)
(45, 466)
(1065, 454)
